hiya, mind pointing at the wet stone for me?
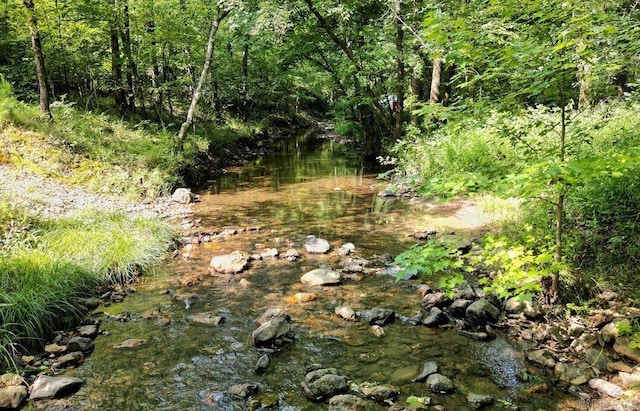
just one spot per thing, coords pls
(89, 331)
(208, 318)
(13, 396)
(272, 313)
(271, 333)
(459, 306)
(69, 360)
(347, 402)
(233, 263)
(262, 364)
(315, 245)
(440, 384)
(379, 316)
(438, 299)
(324, 383)
(377, 330)
(46, 387)
(83, 344)
(428, 368)
(378, 393)
(346, 313)
(130, 343)
(543, 358)
(322, 276)
(481, 311)
(242, 390)
(479, 401)
(435, 318)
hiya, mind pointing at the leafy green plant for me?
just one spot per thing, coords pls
(516, 269)
(432, 259)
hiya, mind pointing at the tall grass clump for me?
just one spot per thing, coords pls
(47, 268)
(112, 245)
(39, 293)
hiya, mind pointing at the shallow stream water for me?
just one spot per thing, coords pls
(306, 186)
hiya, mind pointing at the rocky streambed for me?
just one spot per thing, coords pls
(284, 296)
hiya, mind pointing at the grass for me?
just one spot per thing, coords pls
(131, 157)
(49, 267)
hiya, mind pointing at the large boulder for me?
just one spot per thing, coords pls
(322, 276)
(230, 263)
(46, 387)
(316, 245)
(481, 311)
(271, 332)
(318, 385)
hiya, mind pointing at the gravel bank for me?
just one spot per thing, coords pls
(52, 199)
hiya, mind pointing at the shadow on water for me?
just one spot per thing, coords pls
(307, 186)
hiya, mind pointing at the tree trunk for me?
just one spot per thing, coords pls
(154, 71)
(245, 76)
(116, 62)
(203, 76)
(131, 65)
(400, 75)
(41, 72)
(436, 80)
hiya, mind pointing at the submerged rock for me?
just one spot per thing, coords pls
(208, 318)
(440, 384)
(378, 393)
(232, 263)
(479, 401)
(130, 343)
(46, 387)
(346, 313)
(428, 368)
(242, 390)
(263, 363)
(322, 276)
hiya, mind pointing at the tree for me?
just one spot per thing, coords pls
(36, 45)
(221, 14)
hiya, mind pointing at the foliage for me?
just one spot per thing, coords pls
(516, 270)
(434, 258)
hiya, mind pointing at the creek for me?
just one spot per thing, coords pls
(305, 186)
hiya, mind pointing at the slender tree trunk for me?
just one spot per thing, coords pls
(154, 71)
(116, 62)
(400, 69)
(245, 76)
(555, 284)
(436, 80)
(131, 65)
(41, 72)
(203, 76)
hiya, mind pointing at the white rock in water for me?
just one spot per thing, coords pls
(605, 387)
(182, 196)
(317, 245)
(322, 276)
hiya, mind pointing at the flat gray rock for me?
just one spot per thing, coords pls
(46, 387)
